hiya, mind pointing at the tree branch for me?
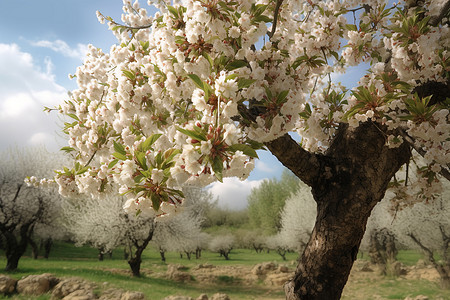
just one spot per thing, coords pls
(275, 18)
(445, 12)
(444, 172)
(427, 251)
(302, 163)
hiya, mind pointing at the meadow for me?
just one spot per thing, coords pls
(68, 261)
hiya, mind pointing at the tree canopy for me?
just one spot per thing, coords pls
(186, 97)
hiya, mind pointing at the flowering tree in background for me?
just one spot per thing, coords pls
(266, 201)
(186, 97)
(182, 232)
(103, 224)
(426, 227)
(222, 244)
(297, 219)
(23, 208)
(99, 223)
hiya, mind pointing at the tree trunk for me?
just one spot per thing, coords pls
(34, 249)
(12, 261)
(100, 255)
(135, 265)
(282, 253)
(163, 255)
(347, 182)
(444, 273)
(14, 251)
(47, 247)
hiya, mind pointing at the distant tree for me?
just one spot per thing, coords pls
(23, 208)
(266, 201)
(379, 241)
(426, 227)
(277, 243)
(222, 244)
(182, 232)
(103, 224)
(297, 218)
(251, 239)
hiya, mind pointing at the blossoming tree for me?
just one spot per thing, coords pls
(22, 208)
(297, 219)
(187, 95)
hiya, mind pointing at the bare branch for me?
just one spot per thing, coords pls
(275, 18)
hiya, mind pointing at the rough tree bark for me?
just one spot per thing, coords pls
(347, 182)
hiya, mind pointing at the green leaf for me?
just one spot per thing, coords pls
(210, 60)
(217, 166)
(156, 201)
(173, 11)
(119, 148)
(67, 149)
(171, 153)
(282, 96)
(140, 157)
(299, 61)
(261, 18)
(113, 163)
(246, 149)
(73, 116)
(119, 156)
(351, 27)
(128, 74)
(244, 83)
(146, 145)
(231, 77)
(198, 82)
(236, 64)
(192, 134)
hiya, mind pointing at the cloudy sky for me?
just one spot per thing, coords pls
(41, 43)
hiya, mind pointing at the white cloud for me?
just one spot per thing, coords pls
(63, 48)
(24, 91)
(261, 166)
(233, 193)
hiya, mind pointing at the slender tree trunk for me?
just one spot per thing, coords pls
(347, 182)
(282, 253)
(34, 249)
(163, 255)
(47, 247)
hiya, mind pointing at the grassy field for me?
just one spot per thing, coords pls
(66, 261)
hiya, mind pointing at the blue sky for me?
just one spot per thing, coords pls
(41, 42)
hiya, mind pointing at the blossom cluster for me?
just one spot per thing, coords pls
(189, 94)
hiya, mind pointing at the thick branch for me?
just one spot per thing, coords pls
(445, 11)
(302, 163)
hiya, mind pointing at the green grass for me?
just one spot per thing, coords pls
(67, 261)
